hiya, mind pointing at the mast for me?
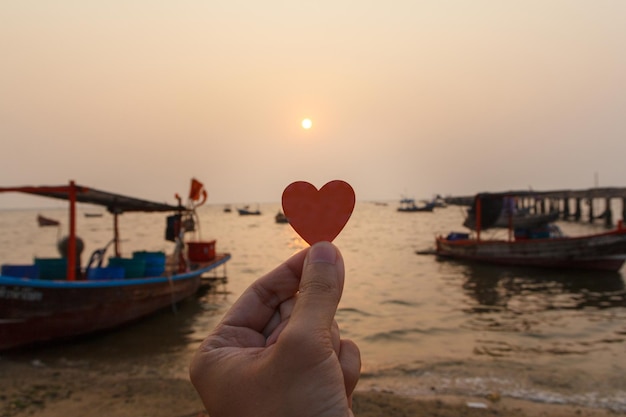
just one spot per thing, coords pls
(71, 243)
(478, 216)
(510, 208)
(116, 234)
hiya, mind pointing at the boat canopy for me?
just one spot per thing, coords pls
(490, 209)
(115, 203)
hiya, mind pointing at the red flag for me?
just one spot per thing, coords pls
(196, 191)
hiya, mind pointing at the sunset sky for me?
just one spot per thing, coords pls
(405, 97)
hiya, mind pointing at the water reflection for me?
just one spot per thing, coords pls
(496, 288)
(536, 315)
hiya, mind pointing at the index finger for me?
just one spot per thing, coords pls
(259, 301)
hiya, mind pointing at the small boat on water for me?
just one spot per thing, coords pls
(46, 221)
(92, 215)
(58, 298)
(246, 211)
(407, 205)
(281, 218)
(542, 246)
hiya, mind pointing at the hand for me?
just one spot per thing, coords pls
(277, 352)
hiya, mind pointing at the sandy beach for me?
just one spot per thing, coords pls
(79, 389)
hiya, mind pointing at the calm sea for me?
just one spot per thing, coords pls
(424, 326)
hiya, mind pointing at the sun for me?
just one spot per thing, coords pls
(307, 123)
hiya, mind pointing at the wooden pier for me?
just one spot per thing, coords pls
(577, 205)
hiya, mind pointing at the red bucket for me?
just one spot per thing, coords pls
(201, 251)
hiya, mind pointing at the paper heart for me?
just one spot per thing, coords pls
(318, 215)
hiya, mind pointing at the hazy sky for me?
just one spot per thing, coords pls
(406, 97)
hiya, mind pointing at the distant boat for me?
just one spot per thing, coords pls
(93, 214)
(245, 211)
(408, 205)
(281, 218)
(227, 209)
(45, 221)
(439, 202)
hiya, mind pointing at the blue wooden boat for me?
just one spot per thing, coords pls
(58, 298)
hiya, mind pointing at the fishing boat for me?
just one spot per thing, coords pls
(407, 205)
(92, 215)
(543, 246)
(439, 202)
(281, 218)
(58, 298)
(43, 221)
(246, 211)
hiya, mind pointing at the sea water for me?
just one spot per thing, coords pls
(424, 326)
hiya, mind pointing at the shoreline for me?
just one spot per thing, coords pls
(78, 389)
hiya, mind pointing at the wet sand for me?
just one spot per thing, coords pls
(80, 389)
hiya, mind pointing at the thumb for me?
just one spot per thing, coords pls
(320, 289)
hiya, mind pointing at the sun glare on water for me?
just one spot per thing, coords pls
(307, 123)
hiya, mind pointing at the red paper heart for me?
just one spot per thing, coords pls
(318, 215)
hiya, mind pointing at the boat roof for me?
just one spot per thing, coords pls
(115, 203)
(512, 193)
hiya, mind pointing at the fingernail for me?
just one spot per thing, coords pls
(323, 252)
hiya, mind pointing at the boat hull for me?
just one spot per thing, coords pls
(604, 251)
(35, 310)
